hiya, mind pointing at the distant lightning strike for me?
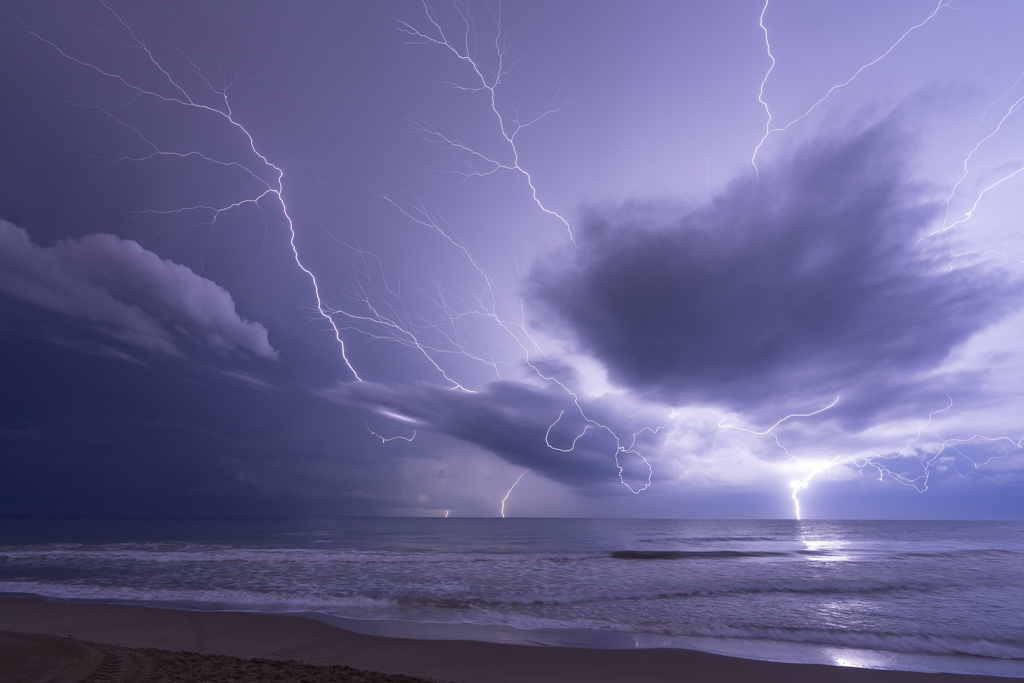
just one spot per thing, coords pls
(510, 493)
(464, 53)
(796, 486)
(919, 483)
(391, 322)
(395, 326)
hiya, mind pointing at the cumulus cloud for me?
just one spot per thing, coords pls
(127, 292)
(807, 283)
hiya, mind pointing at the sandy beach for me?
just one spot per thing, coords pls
(70, 642)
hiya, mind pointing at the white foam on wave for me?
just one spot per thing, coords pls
(877, 605)
(482, 614)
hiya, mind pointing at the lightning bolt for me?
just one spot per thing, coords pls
(949, 443)
(769, 130)
(919, 483)
(376, 312)
(591, 423)
(272, 189)
(385, 439)
(947, 226)
(760, 93)
(510, 493)
(464, 51)
(796, 486)
(771, 430)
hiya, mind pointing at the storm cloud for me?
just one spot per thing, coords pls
(506, 418)
(127, 292)
(158, 278)
(804, 283)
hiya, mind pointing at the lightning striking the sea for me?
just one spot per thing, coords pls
(510, 493)
(449, 319)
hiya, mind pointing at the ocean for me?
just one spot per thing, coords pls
(924, 596)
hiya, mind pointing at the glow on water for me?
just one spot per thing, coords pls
(937, 596)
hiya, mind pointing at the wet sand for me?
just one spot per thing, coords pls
(31, 658)
(72, 642)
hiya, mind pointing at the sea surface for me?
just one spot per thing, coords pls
(926, 596)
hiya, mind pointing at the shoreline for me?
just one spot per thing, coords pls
(248, 635)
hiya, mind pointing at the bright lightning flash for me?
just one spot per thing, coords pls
(919, 483)
(378, 313)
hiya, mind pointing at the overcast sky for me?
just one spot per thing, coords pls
(654, 259)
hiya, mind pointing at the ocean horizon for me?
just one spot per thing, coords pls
(910, 595)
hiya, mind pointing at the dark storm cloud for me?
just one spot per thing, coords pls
(808, 282)
(129, 293)
(506, 418)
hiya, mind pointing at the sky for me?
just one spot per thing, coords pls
(644, 259)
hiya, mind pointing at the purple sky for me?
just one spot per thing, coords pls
(384, 258)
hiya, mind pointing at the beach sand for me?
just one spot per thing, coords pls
(69, 642)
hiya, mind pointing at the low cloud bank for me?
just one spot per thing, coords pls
(128, 293)
(505, 418)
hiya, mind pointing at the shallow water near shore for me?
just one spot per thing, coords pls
(926, 596)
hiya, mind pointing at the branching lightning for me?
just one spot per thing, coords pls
(463, 49)
(374, 309)
(769, 130)
(273, 188)
(795, 485)
(770, 430)
(378, 313)
(919, 483)
(947, 226)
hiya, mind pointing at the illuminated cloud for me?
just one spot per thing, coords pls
(783, 291)
(127, 292)
(736, 302)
